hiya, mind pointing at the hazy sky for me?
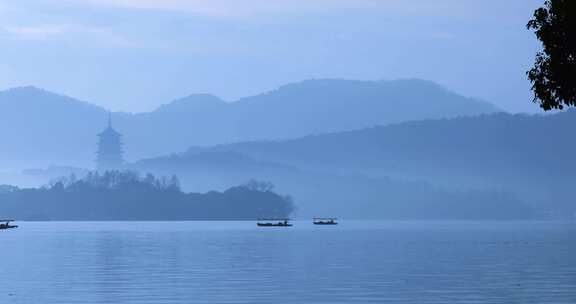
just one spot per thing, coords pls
(134, 55)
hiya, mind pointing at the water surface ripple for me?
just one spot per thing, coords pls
(236, 262)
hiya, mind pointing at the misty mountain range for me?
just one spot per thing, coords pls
(40, 128)
(357, 149)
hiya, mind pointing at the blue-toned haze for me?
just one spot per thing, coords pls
(150, 151)
(134, 55)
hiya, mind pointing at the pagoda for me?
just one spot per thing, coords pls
(110, 152)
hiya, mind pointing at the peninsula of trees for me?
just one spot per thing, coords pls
(127, 196)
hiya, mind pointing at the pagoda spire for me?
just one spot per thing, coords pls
(110, 152)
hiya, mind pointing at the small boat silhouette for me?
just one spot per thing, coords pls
(325, 221)
(274, 223)
(7, 225)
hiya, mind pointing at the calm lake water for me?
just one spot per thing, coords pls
(235, 262)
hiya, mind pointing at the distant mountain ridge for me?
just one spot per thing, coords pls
(330, 105)
(40, 128)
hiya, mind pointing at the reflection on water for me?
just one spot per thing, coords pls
(235, 262)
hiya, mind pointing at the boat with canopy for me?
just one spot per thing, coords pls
(274, 223)
(325, 221)
(5, 224)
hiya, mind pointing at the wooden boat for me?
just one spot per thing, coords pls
(274, 223)
(7, 225)
(325, 221)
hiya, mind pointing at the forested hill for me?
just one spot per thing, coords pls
(491, 145)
